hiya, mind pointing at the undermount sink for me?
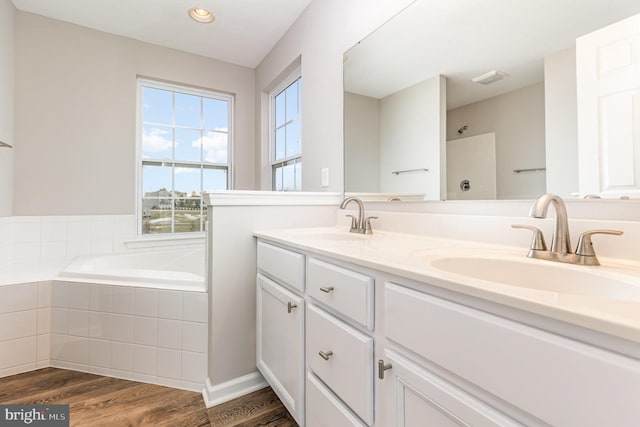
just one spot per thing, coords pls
(542, 275)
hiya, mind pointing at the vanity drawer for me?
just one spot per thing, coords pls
(345, 291)
(348, 367)
(324, 409)
(281, 264)
(515, 362)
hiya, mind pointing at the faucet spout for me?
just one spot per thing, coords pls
(360, 222)
(560, 242)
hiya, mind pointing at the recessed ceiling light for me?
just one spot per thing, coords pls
(201, 15)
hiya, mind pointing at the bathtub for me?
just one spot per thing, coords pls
(177, 269)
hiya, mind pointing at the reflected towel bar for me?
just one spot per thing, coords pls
(410, 170)
(529, 170)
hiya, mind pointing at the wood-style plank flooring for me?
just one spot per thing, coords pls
(95, 400)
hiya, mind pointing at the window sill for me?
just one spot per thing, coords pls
(193, 239)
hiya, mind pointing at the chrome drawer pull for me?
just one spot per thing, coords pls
(327, 289)
(326, 355)
(382, 367)
(291, 306)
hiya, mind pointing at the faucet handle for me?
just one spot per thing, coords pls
(585, 246)
(367, 224)
(354, 222)
(537, 241)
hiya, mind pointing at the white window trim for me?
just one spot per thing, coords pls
(286, 82)
(190, 90)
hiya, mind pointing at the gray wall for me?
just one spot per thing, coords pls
(76, 115)
(518, 119)
(362, 154)
(7, 59)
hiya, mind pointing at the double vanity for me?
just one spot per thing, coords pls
(392, 329)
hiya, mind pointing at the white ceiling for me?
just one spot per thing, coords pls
(243, 33)
(463, 39)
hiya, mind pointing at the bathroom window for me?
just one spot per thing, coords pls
(184, 148)
(285, 135)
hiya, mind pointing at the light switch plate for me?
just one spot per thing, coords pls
(325, 177)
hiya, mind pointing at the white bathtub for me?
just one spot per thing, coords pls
(178, 269)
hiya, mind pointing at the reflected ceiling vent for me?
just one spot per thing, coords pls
(490, 77)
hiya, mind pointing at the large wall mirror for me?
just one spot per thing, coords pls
(469, 100)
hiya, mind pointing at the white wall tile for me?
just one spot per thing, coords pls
(17, 352)
(169, 382)
(101, 247)
(169, 363)
(99, 353)
(195, 307)
(44, 294)
(79, 296)
(44, 320)
(122, 328)
(78, 323)
(60, 294)
(27, 229)
(146, 302)
(105, 372)
(18, 297)
(170, 334)
(101, 296)
(145, 360)
(77, 248)
(43, 347)
(194, 367)
(54, 229)
(121, 356)
(123, 299)
(59, 320)
(102, 227)
(79, 228)
(17, 369)
(100, 325)
(151, 379)
(194, 337)
(125, 375)
(58, 347)
(191, 386)
(146, 331)
(19, 324)
(124, 226)
(80, 367)
(43, 364)
(170, 304)
(78, 350)
(53, 251)
(26, 252)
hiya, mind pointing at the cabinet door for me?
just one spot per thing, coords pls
(280, 343)
(414, 397)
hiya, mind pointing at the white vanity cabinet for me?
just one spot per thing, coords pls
(280, 329)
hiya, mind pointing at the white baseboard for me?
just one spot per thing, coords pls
(232, 389)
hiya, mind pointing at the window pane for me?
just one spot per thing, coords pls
(187, 215)
(280, 144)
(214, 179)
(278, 179)
(156, 142)
(216, 114)
(156, 181)
(292, 101)
(156, 216)
(293, 138)
(187, 181)
(188, 145)
(188, 110)
(288, 179)
(280, 118)
(157, 105)
(299, 176)
(215, 146)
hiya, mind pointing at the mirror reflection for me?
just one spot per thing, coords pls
(481, 109)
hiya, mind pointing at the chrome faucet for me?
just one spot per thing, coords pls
(560, 241)
(360, 224)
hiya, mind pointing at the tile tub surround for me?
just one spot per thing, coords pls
(144, 334)
(25, 324)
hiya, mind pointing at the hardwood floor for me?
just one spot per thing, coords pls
(104, 401)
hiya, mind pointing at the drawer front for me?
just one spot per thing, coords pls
(348, 368)
(558, 380)
(324, 409)
(345, 291)
(283, 265)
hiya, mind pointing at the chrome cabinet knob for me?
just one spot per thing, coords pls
(291, 306)
(327, 289)
(383, 367)
(326, 355)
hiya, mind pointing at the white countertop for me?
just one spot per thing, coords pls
(409, 256)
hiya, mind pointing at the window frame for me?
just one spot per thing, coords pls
(141, 83)
(290, 79)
